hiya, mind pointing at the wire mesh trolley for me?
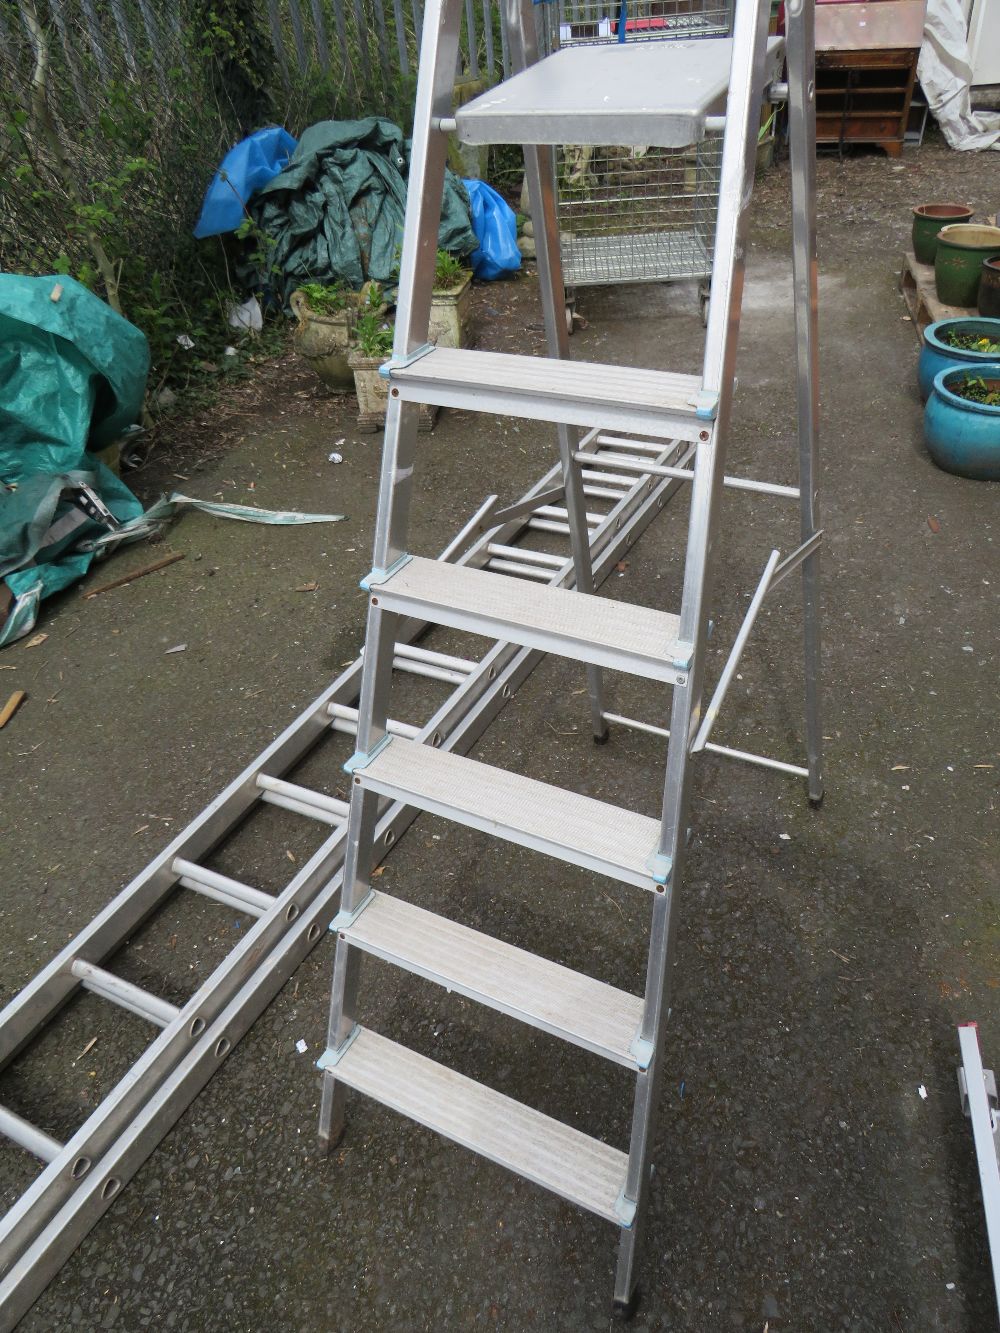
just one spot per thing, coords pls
(637, 214)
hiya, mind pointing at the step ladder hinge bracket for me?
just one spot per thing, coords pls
(706, 405)
(330, 1058)
(626, 1210)
(401, 362)
(377, 575)
(681, 660)
(362, 758)
(660, 866)
(642, 1048)
(345, 919)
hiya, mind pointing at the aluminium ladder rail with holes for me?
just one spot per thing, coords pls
(82, 1177)
(609, 94)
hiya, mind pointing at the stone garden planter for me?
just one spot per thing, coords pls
(373, 394)
(450, 313)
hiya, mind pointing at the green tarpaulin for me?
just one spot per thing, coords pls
(336, 211)
(72, 377)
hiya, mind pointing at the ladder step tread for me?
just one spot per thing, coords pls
(584, 626)
(560, 823)
(547, 995)
(653, 93)
(578, 392)
(581, 1169)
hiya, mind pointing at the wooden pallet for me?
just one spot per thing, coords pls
(916, 282)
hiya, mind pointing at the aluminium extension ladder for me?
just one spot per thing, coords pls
(668, 95)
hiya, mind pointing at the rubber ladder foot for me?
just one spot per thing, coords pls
(603, 738)
(623, 1311)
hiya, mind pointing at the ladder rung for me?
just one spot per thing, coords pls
(221, 889)
(519, 570)
(609, 479)
(576, 829)
(302, 800)
(428, 670)
(557, 511)
(345, 719)
(548, 525)
(415, 654)
(584, 626)
(525, 555)
(583, 1170)
(578, 393)
(124, 994)
(544, 994)
(28, 1137)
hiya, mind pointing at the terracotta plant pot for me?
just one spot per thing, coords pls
(450, 313)
(958, 264)
(989, 288)
(928, 219)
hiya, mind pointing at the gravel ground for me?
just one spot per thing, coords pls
(825, 956)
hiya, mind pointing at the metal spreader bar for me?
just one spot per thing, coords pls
(653, 94)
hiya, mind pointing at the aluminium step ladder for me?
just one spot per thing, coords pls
(83, 1177)
(667, 95)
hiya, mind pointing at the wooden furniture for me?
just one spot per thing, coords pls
(864, 96)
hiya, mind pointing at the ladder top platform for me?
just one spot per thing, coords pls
(652, 93)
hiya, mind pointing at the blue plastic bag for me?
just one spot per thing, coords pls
(251, 164)
(495, 225)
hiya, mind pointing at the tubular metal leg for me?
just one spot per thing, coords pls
(802, 143)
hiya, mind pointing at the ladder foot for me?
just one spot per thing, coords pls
(603, 738)
(623, 1311)
(817, 801)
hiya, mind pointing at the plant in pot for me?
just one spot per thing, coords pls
(371, 349)
(326, 315)
(450, 301)
(956, 342)
(962, 421)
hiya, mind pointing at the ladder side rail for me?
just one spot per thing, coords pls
(540, 172)
(425, 189)
(801, 49)
(746, 91)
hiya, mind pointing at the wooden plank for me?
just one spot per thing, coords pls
(11, 706)
(916, 282)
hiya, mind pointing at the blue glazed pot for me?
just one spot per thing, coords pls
(961, 436)
(936, 355)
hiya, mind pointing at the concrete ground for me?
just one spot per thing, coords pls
(825, 956)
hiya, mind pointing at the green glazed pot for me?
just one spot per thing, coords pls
(928, 219)
(989, 288)
(958, 264)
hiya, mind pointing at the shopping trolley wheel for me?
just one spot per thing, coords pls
(569, 318)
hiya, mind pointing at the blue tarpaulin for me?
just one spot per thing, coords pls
(244, 170)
